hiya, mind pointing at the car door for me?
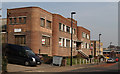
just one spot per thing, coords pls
(22, 56)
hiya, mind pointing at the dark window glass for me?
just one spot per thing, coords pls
(68, 29)
(67, 43)
(49, 24)
(24, 20)
(20, 20)
(63, 42)
(86, 45)
(42, 22)
(60, 26)
(14, 20)
(10, 20)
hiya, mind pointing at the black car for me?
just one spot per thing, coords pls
(21, 54)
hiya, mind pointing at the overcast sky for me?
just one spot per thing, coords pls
(98, 17)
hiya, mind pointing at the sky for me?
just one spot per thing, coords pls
(59, 0)
(98, 17)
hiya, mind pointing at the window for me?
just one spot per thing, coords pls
(20, 20)
(63, 27)
(91, 44)
(60, 41)
(87, 36)
(60, 28)
(67, 43)
(42, 22)
(82, 45)
(63, 42)
(88, 46)
(83, 34)
(20, 39)
(10, 20)
(24, 20)
(14, 20)
(74, 44)
(68, 29)
(49, 24)
(45, 40)
(74, 31)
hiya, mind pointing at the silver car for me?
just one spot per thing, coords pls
(110, 60)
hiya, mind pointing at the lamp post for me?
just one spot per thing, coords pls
(71, 35)
(99, 46)
(110, 44)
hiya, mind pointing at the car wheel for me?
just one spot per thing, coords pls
(26, 63)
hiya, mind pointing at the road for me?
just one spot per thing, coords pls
(110, 67)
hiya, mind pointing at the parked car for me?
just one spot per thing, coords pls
(21, 54)
(111, 60)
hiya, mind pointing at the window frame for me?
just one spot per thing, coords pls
(48, 23)
(42, 22)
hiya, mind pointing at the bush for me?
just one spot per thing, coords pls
(4, 64)
(47, 59)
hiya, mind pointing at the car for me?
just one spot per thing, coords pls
(111, 60)
(21, 54)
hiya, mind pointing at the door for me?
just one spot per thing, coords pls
(20, 39)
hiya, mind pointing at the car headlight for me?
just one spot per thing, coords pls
(33, 59)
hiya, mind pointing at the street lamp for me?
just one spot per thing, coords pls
(99, 46)
(110, 44)
(71, 35)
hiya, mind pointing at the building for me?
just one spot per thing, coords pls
(95, 48)
(44, 32)
(112, 53)
(62, 35)
(32, 27)
(83, 35)
(3, 22)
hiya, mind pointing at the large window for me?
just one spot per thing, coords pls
(67, 43)
(48, 24)
(20, 39)
(42, 22)
(45, 40)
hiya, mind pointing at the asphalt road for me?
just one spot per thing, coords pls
(109, 67)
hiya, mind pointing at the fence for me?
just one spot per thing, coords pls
(76, 61)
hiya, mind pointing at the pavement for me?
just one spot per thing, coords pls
(109, 67)
(48, 68)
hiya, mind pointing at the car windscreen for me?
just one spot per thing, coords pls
(30, 53)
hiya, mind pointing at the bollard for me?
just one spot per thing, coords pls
(80, 61)
(83, 61)
(76, 61)
(86, 61)
(89, 61)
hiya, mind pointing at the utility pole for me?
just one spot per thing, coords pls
(71, 35)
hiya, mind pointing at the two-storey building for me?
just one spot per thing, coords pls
(83, 35)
